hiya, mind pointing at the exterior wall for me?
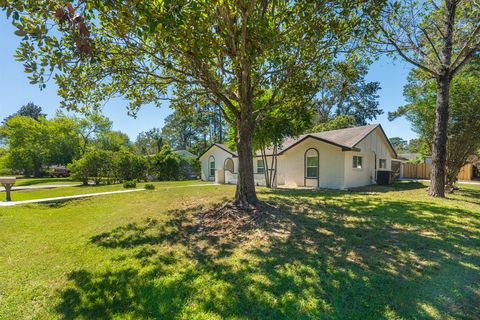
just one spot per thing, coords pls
(291, 165)
(335, 166)
(220, 157)
(372, 145)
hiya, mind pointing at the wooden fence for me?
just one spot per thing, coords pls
(423, 170)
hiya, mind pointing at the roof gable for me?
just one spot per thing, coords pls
(221, 146)
(346, 139)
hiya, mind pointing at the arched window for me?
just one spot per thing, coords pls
(311, 163)
(229, 165)
(211, 166)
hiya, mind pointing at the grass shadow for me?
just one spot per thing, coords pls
(339, 258)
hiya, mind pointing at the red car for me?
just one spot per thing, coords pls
(61, 173)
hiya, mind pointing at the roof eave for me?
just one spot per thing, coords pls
(218, 146)
(343, 147)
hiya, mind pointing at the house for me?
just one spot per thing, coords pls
(337, 159)
(184, 153)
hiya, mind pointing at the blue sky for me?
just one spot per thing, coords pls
(16, 91)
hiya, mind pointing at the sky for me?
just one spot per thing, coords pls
(16, 91)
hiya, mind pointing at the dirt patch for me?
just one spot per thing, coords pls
(229, 221)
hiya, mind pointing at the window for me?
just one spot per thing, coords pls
(260, 166)
(357, 162)
(382, 163)
(311, 163)
(212, 166)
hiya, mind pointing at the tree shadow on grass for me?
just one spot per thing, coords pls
(308, 260)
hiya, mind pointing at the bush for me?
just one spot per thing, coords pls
(131, 184)
(189, 168)
(129, 166)
(149, 186)
(97, 165)
(165, 165)
(109, 167)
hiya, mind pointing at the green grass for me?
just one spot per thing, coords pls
(40, 181)
(374, 253)
(32, 194)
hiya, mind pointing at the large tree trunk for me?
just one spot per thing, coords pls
(37, 169)
(439, 145)
(245, 194)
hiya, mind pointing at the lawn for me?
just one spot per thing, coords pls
(40, 181)
(374, 253)
(32, 194)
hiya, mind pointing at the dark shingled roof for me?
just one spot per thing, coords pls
(347, 139)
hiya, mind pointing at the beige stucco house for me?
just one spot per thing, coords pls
(337, 159)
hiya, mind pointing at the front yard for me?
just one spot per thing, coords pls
(376, 253)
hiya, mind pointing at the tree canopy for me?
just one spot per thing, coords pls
(345, 92)
(28, 110)
(439, 38)
(229, 52)
(464, 124)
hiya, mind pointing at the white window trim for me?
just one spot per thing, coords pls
(260, 167)
(380, 164)
(356, 168)
(210, 166)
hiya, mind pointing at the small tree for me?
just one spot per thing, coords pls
(289, 119)
(129, 166)
(149, 142)
(95, 165)
(189, 168)
(165, 165)
(28, 144)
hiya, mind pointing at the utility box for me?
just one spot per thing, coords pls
(384, 177)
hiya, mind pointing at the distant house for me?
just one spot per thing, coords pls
(185, 153)
(337, 159)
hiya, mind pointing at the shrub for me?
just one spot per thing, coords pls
(97, 165)
(109, 167)
(189, 168)
(149, 186)
(131, 184)
(129, 166)
(165, 165)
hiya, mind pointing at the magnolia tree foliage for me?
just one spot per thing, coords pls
(228, 52)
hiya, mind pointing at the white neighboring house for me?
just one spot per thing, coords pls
(337, 159)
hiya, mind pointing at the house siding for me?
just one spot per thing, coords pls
(331, 169)
(220, 156)
(373, 144)
(335, 166)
